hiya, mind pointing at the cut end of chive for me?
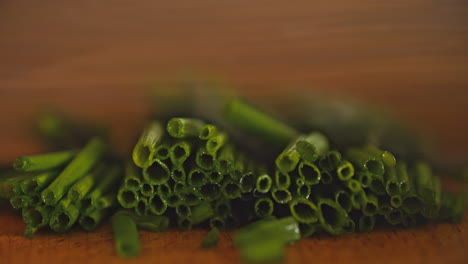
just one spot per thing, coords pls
(215, 177)
(283, 180)
(174, 128)
(48, 197)
(173, 200)
(156, 173)
(183, 210)
(304, 191)
(147, 189)
(326, 177)
(127, 198)
(331, 218)
(157, 205)
(162, 152)
(205, 161)
(196, 178)
(396, 201)
(375, 167)
(370, 208)
(19, 164)
(263, 183)
(304, 211)
(345, 171)
(88, 223)
(264, 207)
(344, 200)
(377, 186)
(141, 207)
(281, 196)
(223, 166)
(412, 205)
(354, 186)
(191, 199)
(207, 131)
(132, 183)
(232, 191)
(286, 163)
(392, 188)
(210, 192)
(310, 173)
(140, 155)
(29, 186)
(33, 217)
(307, 151)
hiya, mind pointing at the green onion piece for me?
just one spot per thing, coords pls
(365, 161)
(157, 205)
(147, 189)
(83, 186)
(431, 210)
(63, 218)
(210, 191)
(326, 177)
(330, 160)
(307, 230)
(358, 199)
(304, 211)
(264, 207)
(412, 204)
(217, 222)
(253, 121)
(197, 177)
(184, 223)
(106, 201)
(108, 182)
(127, 242)
(267, 251)
(179, 187)
(377, 185)
(282, 196)
(204, 159)
(263, 183)
(365, 178)
(37, 216)
(133, 178)
(366, 223)
(152, 223)
(452, 206)
(164, 190)
(79, 166)
(247, 182)
(147, 143)
(345, 170)
(142, 206)
(300, 182)
(225, 159)
(172, 200)
(207, 131)
(201, 213)
(239, 167)
(179, 152)
(387, 158)
(38, 182)
(310, 147)
(43, 161)
(90, 221)
(343, 198)
(396, 201)
(156, 172)
(332, 217)
(162, 151)
(178, 174)
(184, 127)
(394, 216)
(304, 191)
(424, 182)
(11, 185)
(371, 205)
(402, 176)
(127, 198)
(282, 180)
(231, 190)
(191, 198)
(29, 231)
(211, 239)
(309, 172)
(289, 158)
(354, 185)
(222, 207)
(216, 142)
(215, 177)
(183, 210)
(392, 186)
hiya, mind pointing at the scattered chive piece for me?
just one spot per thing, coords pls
(43, 161)
(184, 127)
(81, 164)
(210, 191)
(84, 185)
(179, 152)
(147, 189)
(304, 191)
(371, 205)
(201, 213)
(304, 211)
(264, 207)
(403, 179)
(387, 158)
(225, 159)
(211, 239)
(343, 198)
(178, 174)
(345, 170)
(282, 196)
(289, 158)
(309, 172)
(263, 183)
(310, 147)
(142, 206)
(392, 185)
(89, 222)
(215, 177)
(354, 185)
(108, 182)
(156, 172)
(147, 143)
(207, 131)
(127, 198)
(216, 142)
(127, 242)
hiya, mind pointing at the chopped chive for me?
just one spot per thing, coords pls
(365, 178)
(35, 199)
(201, 213)
(108, 182)
(38, 216)
(133, 178)
(282, 196)
(394, 216)
(343, 198)
(191, 198)
(147, 189)
(147, 143)
(371, 205)
(215, 177)
(304, 191)
(358, 199)
(43, 161)
(289, 158)
(90, 222)
(431, 210)
(304, 210)
(164, 190)
(184, 223)
(222, 207)
(179, 152)
(263, 183)
(282, 180)
(332, 217)
(204, 159)
(142, 206)
(184, 127)
(29, 231)
(183, 210)
(216, 142)
(162, 152)
(11, 185)
(365, 161)
(178, 174)
(179, 187)
(79, 166)
(354, 185)
(217, 222)
(366, 223)
(392, 185)
(326, 177)
(127, 198)
(157, 205)
(387, 158)
(300, 182)
(19, 201)
(424, 182)
(156, 172)
(330, 160)
(267, 251)
(396, 201)
(197, 177)
(307, 230)
(377, 185)
(264, 207)
(207, 131)
(403, 179)
(38, 182)
(452, 206)
(83, 186)
(412, 204)
(247, 182)
(210, 191)
(310, 147)
(309, 172)
(106, 201)
(211, 239)
(63, 218)
(345, 170)
(127, 242)
(172, 200)
(252, 120)
(225, 159)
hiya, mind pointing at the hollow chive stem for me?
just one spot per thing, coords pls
(108, 200)
(11, 185)
(396, 201)
(264, 207)
(63, 218)
(216, 142)
(162, 151)
(258, 123)
(156, 172)
(35, 218)
(184, 127)
(247, 182)
(310, 147)
(127, 198)
(332, 217)
(225, 159)
(264, 183)
(133, 177)
(151, 136)
(179, 187)
(364, 177)
(354, 186)
(304, 210)
(330, 160)
(267, 251)
(371, 205)
(201, 213)
(157, 205)
(127, 242)
(358, 199)
(183, 210)
(90, 221)
(211, 239)
(44, 161)
(142, 206)
(218, 222)
(79, 166)
(191, 198)
(84, 185)
(377, 184)
(173, 199)
(366, 223)
(303, 191)
(197, 177)
(365, 161)
(307, 230)
(282, 196)
(387, 158)
(207, 131)
(289, 158)
(164, 190)
(20, 201)
(38, 182)
(204, 159)
(392, 186)
(345, 170)
(210, 191)
(343, 198)
(424, 182)
(178, 174)
(231, 190)
(179, 152)
(147, 189)
(215, 177)
(109, 180)
(402, 177)
(309, 173)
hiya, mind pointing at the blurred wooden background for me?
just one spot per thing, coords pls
(95, 59)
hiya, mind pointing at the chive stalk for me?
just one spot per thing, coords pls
(365, 161)
(211, 239)
(216, 142)
(179, 152)
(151, 136)
(156, 172)
(264, 183)
(127, 198)
(127, 242)
(44, 161)
(207, 131)
(310, 147)
(184, 127)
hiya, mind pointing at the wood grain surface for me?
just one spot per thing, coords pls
(96, 60)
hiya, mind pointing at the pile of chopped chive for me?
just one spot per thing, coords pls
(188, 173)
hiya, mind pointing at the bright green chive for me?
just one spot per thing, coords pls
(267, 251)
(332, 217)
(79, 166)
(178, 174)
(358, 199)
(387, 158)
(197, 177)
(217, 222)
(286, 230)
(62, 219)
(396, 201)
(304, 191)
(309, 172)
(225, 159)
(365, 161)
(152, 223)
(263, 183)
(156, 172)
(127, 198)
(38, 182)
(162, 151)
(84, 185)
(211, 239)
(133, 177)
(343, 198)
(90, 221)
(35, 199)
(108, 182)
(142, 206)
(210, 191)
(330, 160)
(20, 201)
(304, 211)
(157, 205)
(147, 189)
(264, 207)
(282, 196)
(106, 201)
(364, 177)
(282, 179)
(11, 185)
(366, 223)
(38, 216)
(252, 120)
(231, 190)
(183, 210)
(310, 147)
(216, 142)
(345, 170)
(207, 131)
(179, 152)
(288, 159)
(204, 159)
(402, 176)
(147, 143)
(247, 182)
(184, 127)
(201, 213)
(127, 242)
(300, 182)
(392, 185)
(164, 190)
(377, 185)
(425, 182)
(371, 205)
(43, 161)
(191, 198)
(354, 185)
